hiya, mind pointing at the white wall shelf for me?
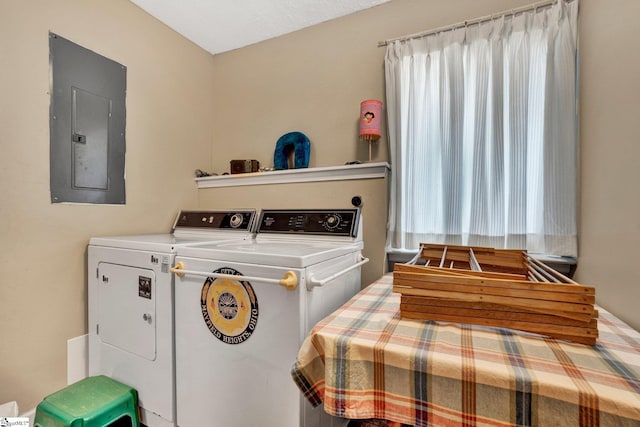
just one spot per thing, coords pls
(330, 173)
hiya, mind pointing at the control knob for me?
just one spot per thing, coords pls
(236, 220)
(332, 222)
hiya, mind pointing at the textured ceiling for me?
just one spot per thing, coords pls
(221, 25)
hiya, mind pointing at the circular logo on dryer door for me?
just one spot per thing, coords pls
(229, 307)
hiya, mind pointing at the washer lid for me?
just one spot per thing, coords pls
(161, 242)
(189, 227)
(281, 253)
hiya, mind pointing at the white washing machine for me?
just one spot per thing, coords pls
(244, 308)
(130, 305)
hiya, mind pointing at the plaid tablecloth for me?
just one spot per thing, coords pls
(364, 361)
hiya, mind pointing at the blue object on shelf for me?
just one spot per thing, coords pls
(295, 142)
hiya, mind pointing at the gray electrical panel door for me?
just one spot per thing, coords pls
(87, 125)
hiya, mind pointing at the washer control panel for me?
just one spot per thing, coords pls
(233, 220)
(332, 222)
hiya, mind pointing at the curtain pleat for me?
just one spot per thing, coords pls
(482, 129)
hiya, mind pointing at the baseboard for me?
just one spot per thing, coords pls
(31, 414)
(77, 359)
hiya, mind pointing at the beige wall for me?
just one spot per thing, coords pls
(185, 107)
(609, 153)
(169, 103)
(313, 81)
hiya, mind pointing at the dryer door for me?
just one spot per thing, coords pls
(127, 308)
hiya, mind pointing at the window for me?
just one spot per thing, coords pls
(483, 134)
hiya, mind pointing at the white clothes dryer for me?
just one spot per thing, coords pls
(244, 308)
(130, 304)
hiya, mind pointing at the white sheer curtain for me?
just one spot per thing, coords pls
(483, 134)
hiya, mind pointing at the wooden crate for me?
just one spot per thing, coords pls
(498, 288)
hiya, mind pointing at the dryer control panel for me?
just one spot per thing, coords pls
(232, 220)
(337, 222)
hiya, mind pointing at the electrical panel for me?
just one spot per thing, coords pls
(87, 125)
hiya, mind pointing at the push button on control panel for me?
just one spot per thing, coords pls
(236, 220)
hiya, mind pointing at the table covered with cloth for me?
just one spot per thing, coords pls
(365, 362)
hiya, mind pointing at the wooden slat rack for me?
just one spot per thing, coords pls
(502, 288)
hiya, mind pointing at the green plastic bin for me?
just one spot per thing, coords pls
(92, 402)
